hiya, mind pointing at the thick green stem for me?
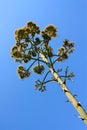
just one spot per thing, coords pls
(71, 97)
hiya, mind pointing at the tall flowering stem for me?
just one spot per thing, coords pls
(33, 48)
(70, 96)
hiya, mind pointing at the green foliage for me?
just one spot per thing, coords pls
(31, 41)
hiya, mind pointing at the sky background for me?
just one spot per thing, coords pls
(22, 107)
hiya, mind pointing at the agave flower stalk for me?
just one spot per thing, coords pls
(32, 44)
(77, 105)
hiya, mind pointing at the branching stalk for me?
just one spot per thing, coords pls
(70, 96)
(31, 65)
(39, 51)
(46, 75)
(51, 80)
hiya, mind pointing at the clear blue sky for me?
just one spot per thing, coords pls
(21, 107)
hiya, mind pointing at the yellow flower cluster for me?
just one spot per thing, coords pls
(65, 50)
(22, 72)
(16, 53)
(38, 69)
(51, 30)
(23, 33)
(33, 28)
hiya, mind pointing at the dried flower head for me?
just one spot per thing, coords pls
(34, 29)
(45, 36)
(22, 72)
(15, 52)
(21, 33)
(38, 69)
(51, 30)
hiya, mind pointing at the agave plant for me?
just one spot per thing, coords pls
(33, 47)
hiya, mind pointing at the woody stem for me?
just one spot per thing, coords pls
(70, 96)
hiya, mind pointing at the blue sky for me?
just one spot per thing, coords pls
(22, 107)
